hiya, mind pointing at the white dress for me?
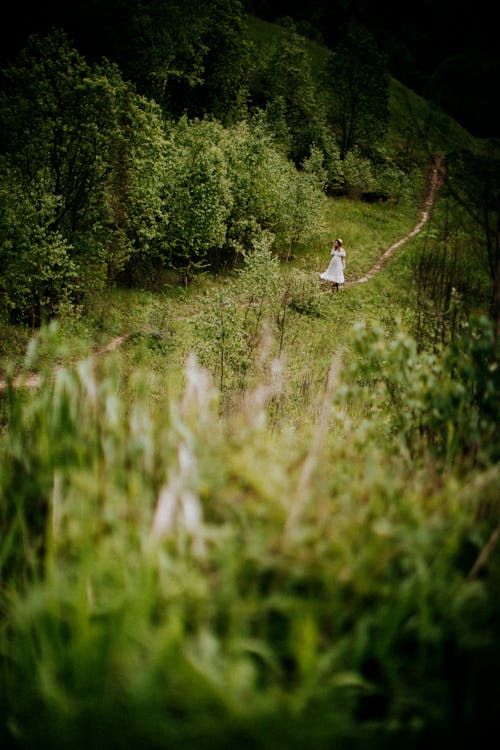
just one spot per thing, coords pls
(335, 270)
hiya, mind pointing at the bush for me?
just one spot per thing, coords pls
(304, 294)
(442, 402)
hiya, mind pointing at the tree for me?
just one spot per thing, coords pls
(357, 84)
(282, 84)
(269, 194)
(474, 183)
(75, 144)
(196, 194)
(224, 90)
(189, 55)
(227, 188)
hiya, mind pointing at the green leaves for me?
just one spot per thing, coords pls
(227, 189)
(438, 402)
(82, 168)
(356, 79)
(196, 192)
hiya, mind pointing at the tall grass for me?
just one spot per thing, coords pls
(174, 577)
(303, 553)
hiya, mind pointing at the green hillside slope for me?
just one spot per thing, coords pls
(250, 512)
(412, 119)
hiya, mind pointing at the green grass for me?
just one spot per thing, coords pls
(310, 592)
(322, 572)
(314, 576)
(160, 324)
(366, 229)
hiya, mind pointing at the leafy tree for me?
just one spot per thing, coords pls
(135, 184)
(36, 266)
(222, 343)
(74, 155)
(355, 78)
(233, 324)
(270, 194)
(282, 84)
(474, 183)
(189, 55)
(225, 88)
(197, 196)
(167, 55)
(357, 173)
(226, 188)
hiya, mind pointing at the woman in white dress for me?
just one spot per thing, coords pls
(335, 270)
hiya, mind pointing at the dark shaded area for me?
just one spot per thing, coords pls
(97, 27)
(445, 51)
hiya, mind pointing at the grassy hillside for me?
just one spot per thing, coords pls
(413, 120)
(305, 557)
(267, 518)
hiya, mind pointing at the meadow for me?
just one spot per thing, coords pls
(268, 519)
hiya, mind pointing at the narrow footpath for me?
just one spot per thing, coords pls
(436, 178)
(435, 182)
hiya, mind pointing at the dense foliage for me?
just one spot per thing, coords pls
(100, 177)
(356, 79)
(271, 519)
(76, 177)
(94, 181)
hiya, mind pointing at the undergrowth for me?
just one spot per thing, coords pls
(269, 519)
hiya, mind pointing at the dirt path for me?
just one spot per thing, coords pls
(435, 181)
(33, 380)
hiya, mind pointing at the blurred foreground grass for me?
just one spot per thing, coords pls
(267, 520)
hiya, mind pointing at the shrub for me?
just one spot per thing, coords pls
(78, 145)
(442, 402)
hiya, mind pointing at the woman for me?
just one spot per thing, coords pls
(335, 270)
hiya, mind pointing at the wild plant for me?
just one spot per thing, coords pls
(304, 294)
(450, 283)
(220, 338)
(260, 284)
(442, 402)
(231, 327)
(199, 576)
